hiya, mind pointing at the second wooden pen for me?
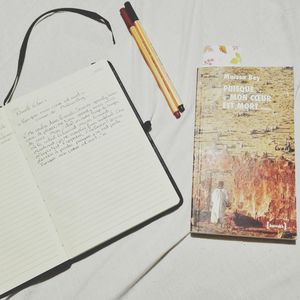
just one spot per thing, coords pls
(148, 59)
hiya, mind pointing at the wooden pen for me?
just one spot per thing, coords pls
(134, 18)
(148, 59)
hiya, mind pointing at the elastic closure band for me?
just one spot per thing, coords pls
(86, 13)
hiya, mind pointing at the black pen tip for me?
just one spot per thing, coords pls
(181, 108)
(130, 11)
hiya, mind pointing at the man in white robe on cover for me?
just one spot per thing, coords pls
(219, 200)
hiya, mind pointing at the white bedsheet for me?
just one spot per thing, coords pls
(197, 268)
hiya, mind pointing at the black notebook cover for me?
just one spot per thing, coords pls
(58, 269)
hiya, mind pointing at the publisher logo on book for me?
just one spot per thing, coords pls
(279, 226)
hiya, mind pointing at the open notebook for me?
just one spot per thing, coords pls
(77, 170)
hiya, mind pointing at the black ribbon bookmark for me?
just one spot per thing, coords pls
(89, 14)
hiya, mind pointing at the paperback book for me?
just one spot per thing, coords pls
(244, 153)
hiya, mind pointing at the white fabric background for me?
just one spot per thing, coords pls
(268, 32)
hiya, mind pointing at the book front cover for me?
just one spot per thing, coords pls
(244, 153)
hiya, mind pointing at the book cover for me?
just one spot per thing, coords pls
(244, 153)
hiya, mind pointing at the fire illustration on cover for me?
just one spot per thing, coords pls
(244, 156)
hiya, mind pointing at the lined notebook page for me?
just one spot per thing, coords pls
(29, 245)
(96, 169)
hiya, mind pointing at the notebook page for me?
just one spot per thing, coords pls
(29, 245)
(95, 166)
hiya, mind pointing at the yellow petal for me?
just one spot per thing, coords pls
(223, 49)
